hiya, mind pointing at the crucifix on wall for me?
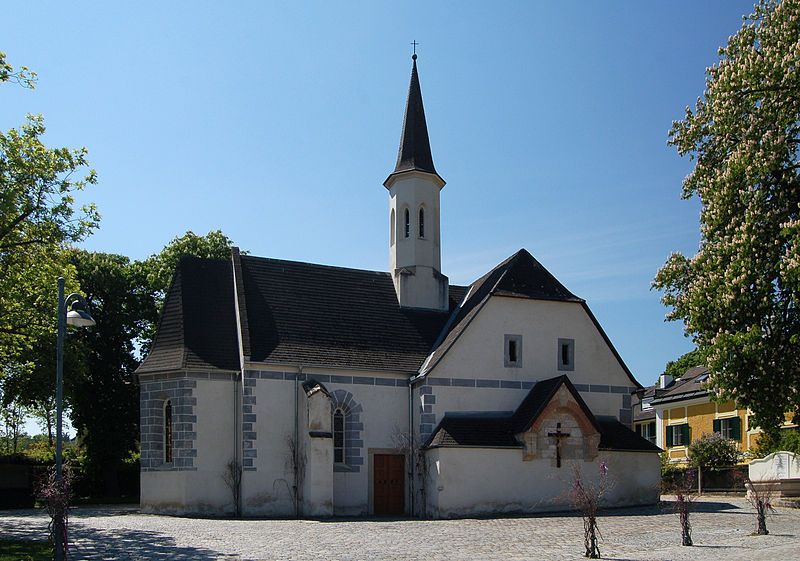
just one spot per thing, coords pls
(559, 436)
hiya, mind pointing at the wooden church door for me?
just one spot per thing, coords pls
(388, 484)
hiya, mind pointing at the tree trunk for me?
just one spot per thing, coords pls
(761, 530)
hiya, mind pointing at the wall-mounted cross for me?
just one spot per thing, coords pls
(559, 436)
(414, 43)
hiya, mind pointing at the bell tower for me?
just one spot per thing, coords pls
(415, 260)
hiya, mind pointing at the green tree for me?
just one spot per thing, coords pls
(738, 296)
(39, 219)
(678, 367)
(103, 394)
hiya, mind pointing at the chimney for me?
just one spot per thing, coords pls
(664, 381)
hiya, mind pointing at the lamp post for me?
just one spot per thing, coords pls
(72, 310)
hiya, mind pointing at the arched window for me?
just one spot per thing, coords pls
(338, 437)
(168, 432)
(391, 228)
(407, 228)
(421, 222)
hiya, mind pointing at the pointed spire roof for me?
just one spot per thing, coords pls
(415, 148)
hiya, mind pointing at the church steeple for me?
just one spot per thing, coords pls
(415, 147)
(414, 186)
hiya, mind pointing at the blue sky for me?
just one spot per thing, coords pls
(277, 122)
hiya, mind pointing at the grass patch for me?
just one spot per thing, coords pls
(25, 550)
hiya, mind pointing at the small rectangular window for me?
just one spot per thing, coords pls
(678, 435)
(566, 354)
(512, 356)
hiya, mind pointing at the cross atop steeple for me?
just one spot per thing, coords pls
(414, 43)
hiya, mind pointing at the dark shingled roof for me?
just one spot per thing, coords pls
(415, 148)
(486, 431)
(616, 436)
(521, 276)
(197, 329)
(498, 429)
(301, 313)
(692, 384)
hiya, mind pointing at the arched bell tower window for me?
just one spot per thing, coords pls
(391, 228)
(168, 432)
(421, 222)
(407, 227)
(338, 436)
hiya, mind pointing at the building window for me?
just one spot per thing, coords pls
(421, 222)
(407, 227)
(168, 432)
(338, 437)
(678, 435)
(647, 431)
(391, 228)
(513, 351)
(730, 428)
(566, 354)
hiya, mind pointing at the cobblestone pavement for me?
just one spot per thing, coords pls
(721, 531)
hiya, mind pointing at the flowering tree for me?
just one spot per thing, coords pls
(739, 295)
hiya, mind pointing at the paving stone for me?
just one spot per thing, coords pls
(722, 530)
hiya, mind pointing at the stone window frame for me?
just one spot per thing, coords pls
(570, 348)
(507, 341)
(406, 223)
(421, 222)
(353, 427)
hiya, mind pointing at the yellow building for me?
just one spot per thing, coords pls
(682, 412)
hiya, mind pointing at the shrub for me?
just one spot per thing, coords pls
(713, 451)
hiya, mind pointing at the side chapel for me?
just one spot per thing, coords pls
(336, 391)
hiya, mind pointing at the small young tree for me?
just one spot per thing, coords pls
(684, 488)
(759, 494)
(233, 479)
(57, 494)
(410, 447)
(586, 497)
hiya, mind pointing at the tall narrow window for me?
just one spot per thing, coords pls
(566, 354)
(391, 228)
(512, 356)
(421, 222)
(168, 432)
(407, 228)
(338, 437)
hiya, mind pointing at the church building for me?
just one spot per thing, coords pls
(282, 388)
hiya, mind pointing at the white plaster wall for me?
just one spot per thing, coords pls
(385, 414)
(473, 481)
(267, 490)
(201, 490)
(411, 191)
(479, 353)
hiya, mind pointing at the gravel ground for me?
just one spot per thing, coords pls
(722, 529)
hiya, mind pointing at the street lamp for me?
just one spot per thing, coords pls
(72, 310)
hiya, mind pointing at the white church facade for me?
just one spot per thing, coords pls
(335, 391)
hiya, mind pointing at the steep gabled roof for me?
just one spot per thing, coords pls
(538, 398)
(520, 276)
(415, 147)
(197, 328)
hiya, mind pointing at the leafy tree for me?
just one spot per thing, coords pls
(103, 395)
(738, 296)
(712, 451)
(678, 367)
(39, 219)
(24, 76)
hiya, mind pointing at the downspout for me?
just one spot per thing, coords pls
(297, 442)
(412, 454)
